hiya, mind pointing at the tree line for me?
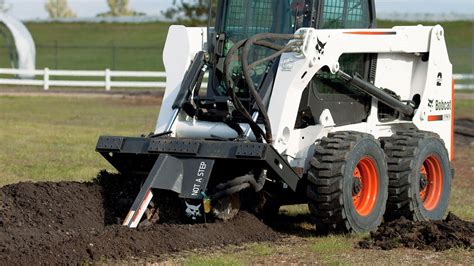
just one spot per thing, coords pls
(117, 8)
(190, 11)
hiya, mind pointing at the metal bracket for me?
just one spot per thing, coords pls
(109, 143)
(250, 150)
(138, 154)
(174, 146)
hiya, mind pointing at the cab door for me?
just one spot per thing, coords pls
(326, 91)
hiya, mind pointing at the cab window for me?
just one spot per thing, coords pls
(344, 14)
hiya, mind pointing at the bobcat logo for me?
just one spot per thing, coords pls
(430, 103)
(320, 48)
(193, 211)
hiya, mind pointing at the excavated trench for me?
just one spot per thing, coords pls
(70, 222)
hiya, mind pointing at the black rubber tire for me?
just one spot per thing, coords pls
(330, 181)
(406, 152)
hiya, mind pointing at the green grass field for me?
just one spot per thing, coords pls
(459, 38)
(89, 46)
(53, 138)
(151, 37)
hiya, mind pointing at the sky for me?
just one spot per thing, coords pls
(31, 9)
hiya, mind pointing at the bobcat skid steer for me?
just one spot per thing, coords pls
(298, 102)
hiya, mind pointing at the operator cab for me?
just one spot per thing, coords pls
(241, 19)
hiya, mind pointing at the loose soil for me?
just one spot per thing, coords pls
(67, 222)
(71, 223)
(438, 236)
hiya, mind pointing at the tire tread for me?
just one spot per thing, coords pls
(401, 150)
(325, 178)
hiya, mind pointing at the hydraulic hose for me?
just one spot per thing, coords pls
(230, 191)
(235, 48)
(230, 88)
(269, 45)
(256, 40)
(246, 70)
(281, 51)
(240, 183)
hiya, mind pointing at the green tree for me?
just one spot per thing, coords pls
(59, 9)
(191, 12)
(119, 8)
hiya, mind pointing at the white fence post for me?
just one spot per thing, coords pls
(46, 79)
(108, 80)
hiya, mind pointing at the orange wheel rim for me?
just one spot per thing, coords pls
(431, 182)
(365, 186)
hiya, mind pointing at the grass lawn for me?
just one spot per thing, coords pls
(310, 250)
(89, 46)
(464, 108)
(459, 38)
(150, 35)
(52, 138)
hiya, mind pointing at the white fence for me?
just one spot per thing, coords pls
(464, 85)
(108, 83)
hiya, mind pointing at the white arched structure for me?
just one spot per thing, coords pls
(23, 43)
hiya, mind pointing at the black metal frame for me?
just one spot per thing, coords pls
(137, 155)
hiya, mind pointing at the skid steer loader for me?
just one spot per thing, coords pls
(306, 102)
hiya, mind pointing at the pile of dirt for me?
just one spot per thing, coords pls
(440, 235)
(69, 223)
